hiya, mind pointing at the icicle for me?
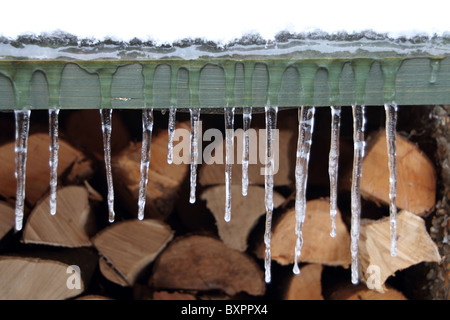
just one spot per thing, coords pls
(229, 152)
(358, 155)
(333, 164)
(22, 129)
(391, 124)
(195, 118)
(163, 111)
(171, 130)
(305, 130)
(247, 119)
(271, 123)
(53, 162)
(147, 129)
(106, 115)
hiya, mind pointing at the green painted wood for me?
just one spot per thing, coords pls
(285, 77)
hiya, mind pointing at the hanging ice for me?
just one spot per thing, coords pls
(305, 131)
(271, 123)
(358, 155)
(391, 124)
(22, 118)
(195, 121)
(247, 119)
(147, 129)
(333, 163)
(229, 152)
(106, 115)
(53, 162)
(171, 130)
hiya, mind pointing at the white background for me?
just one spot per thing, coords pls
(219, 21)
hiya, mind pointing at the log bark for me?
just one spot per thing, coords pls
(71, 162)
(165, 295)
(130, 246)
(305, 286)
(164, 180)
(414, 246)
(6, 218)
(361, 292)
(203, 263)
(37, 279)
(110, 273)
(245, 212)
(416, 175)
(71, 226)
(318, 246)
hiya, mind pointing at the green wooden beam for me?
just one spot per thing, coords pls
(292, 73)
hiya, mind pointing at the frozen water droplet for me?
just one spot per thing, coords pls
(305, 131)
(163, 111)
(333, 163)
(171, 130)
(147, 129)
(271, 124)
(22, 121)
(358, 155)
(434, 64)
(195, 128)
(229, 157)
(106, 115)
(391, 124)
(53, 162)
(247, 119)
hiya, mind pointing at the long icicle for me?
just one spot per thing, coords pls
(358, 155)
(333, 164)
(271, 123)
(305, 131)
(147, 130)
(391, 125)
(22, 118)
(247, 119)
(171, 130)
(195, 122)
(53, 162)
(106, 115)
(229, 152)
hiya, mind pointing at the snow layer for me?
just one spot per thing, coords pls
(221, 22)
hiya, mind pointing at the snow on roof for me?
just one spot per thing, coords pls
(221, 22)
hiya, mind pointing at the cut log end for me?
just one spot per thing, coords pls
(130, 246)
(416, 175)
(204, 263)
(318, 246)
(414, 246)
(38, 279)
(245, 212)
(71, 226)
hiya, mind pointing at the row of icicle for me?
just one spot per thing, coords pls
(305, 132)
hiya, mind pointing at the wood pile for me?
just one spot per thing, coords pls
(183, 251)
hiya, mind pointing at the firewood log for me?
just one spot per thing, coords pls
(414, 246)
(204, 263)
(318, 246)
(71, 162)
(305, 286)
(131, 245)
(416, 175)
(164, 180)
(245, 212)
(71, 226)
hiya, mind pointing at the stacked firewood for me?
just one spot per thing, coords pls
(188, 251)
